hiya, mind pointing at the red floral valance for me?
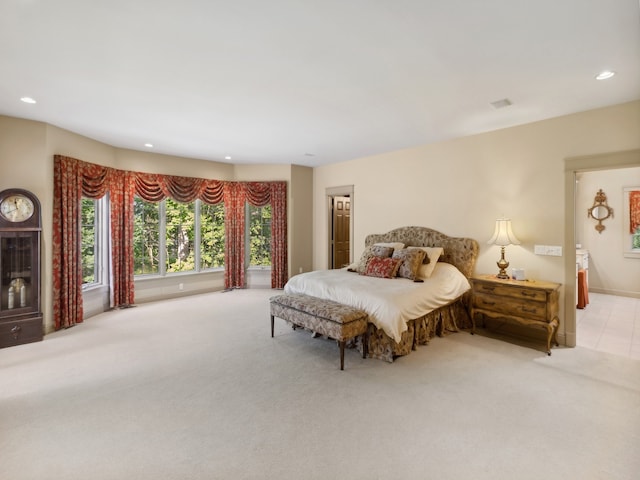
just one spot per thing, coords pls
(154, 187)
(74, 179)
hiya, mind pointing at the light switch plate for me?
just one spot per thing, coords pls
(540, 249)
(554, 250)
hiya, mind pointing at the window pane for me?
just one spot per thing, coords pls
(635, 239)
(260, 235)
(88, 242)
(212, 236)
(146, 246)
(180, 254)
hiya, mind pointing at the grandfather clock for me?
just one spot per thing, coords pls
(20, 230)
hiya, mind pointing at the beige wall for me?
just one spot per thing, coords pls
(300, 225)
(609, 270)
(461, 186)
(149, 162)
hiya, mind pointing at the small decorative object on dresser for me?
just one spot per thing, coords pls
(529, 303)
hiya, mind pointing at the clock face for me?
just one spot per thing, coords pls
(16, 208)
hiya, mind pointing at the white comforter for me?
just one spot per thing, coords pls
(390, 303)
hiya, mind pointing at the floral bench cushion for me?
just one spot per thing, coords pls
(326, 317)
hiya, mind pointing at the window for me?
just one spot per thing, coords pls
(212, 236)
(259, 235)
(88, 228)
(180, 236)
(93, 229)
(146, 237)
(171, 237)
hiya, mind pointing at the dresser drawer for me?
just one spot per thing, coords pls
(512, 306)
(535, 295)
(17, 332)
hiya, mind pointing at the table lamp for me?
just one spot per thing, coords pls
(503, 236)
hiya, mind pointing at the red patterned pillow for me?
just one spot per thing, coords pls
(382, 267)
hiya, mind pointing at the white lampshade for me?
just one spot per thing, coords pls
(503, 234)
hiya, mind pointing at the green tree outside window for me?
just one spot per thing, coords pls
(146, 236)
(88, 240)
(212, 236)
(259, 219)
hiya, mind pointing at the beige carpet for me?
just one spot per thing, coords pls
(196, 388)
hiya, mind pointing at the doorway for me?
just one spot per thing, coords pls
(340, 225)
(341, 213)
(572, 167)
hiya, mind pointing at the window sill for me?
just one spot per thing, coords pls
(150, 276)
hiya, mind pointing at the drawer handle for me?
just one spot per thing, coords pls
(15, 331)
(529, 310)
(488, 289)
(488, 303)
(527, 294)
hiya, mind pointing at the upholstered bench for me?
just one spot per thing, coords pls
(326, 317)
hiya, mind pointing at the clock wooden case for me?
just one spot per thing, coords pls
(20, 231)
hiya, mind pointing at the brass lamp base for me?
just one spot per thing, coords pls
(502, 265)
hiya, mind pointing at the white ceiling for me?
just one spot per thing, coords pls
(272, 81)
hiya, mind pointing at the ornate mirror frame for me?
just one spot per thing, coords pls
(600, 211)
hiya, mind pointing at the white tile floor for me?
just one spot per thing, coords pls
(610, 324)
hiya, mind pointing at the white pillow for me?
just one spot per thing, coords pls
(434, 254)
(394, 245)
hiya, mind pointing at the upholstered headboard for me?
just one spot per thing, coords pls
(460, 252)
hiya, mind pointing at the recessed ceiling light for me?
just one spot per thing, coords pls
(148, 145)
(605, 74)
(28, 100)
(227, 157)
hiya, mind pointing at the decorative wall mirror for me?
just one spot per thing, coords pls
(600, 210)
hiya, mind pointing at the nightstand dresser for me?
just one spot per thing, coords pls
(530, 303)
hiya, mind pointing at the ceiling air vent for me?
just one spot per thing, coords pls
(505, 102)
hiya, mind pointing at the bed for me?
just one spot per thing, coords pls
(402, 313)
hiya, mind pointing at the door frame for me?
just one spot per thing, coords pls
(573, 165)
(331, 192)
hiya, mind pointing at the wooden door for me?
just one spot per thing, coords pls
(341, 208)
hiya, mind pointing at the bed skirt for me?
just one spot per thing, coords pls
(440, 322)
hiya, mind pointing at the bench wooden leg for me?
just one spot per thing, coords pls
(271, 326)
(365, 343)
(341, 354)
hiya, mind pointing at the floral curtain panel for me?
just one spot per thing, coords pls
(634, 210)
(74, 178)
(279, 274)
(234, 198)
(121, 218)
(67, 271)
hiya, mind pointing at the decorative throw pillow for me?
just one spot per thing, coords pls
(382, 267)
(411, 259)
(369, 252)
(434, 254)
